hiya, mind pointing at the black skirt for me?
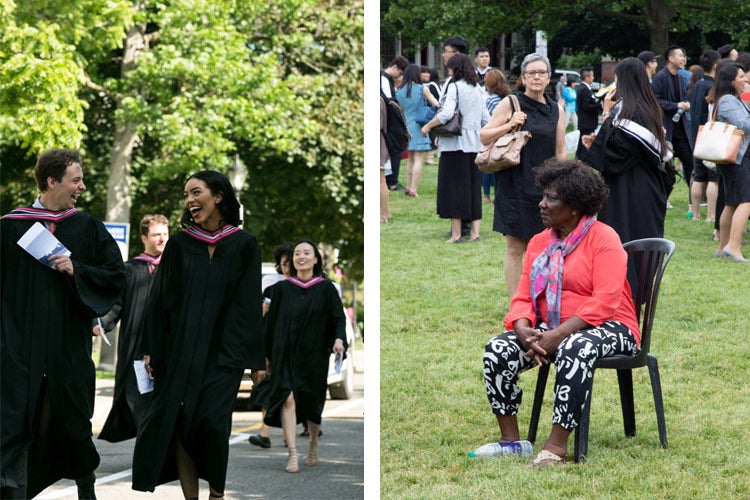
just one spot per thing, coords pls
(736, 179)
(459, 189)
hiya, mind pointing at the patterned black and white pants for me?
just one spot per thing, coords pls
(505, 359)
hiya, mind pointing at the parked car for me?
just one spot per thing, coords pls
(570, 75)
(340, 385)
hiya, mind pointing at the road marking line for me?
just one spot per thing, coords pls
(238, 436)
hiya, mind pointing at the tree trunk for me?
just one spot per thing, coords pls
(118, 190)
(658, 17)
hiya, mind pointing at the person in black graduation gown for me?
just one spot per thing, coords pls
(128, 403)
(203, 328)
(47, 379)
(631, 152)
(304, 325)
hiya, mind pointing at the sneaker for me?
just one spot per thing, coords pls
(669, 205)
(259, 440)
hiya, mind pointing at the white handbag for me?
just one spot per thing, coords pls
(718, 142)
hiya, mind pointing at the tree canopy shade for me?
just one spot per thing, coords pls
(152, 91)
(482, 20)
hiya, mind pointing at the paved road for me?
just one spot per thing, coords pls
(253, 472)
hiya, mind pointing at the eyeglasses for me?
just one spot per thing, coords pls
(533, 74)
(449, 51)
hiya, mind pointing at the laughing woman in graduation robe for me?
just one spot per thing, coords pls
(304, 325)
(203, 328)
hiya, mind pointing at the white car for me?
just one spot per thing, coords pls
(340, 385)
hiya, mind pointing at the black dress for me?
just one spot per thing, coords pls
(300, 329)
(128, 404)
(46, 351)
(203, 328)
(516, 195)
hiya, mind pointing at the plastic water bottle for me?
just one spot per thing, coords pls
(676, 117)
(522, 448)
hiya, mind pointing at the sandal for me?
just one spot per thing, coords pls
(545, 458)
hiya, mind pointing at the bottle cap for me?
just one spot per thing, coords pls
(472, 454)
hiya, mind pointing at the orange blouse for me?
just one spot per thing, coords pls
(594, 285)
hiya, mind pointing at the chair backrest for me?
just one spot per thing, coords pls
(649, 257)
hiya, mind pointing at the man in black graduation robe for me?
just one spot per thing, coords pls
(128, 404)
(47, 383)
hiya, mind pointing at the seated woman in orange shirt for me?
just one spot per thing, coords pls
(569, 318)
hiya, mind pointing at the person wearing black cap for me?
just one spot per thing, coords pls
(670, 92)
(648, 59)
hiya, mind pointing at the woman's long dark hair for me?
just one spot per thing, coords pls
(462, 69)
(723, 83)
(229, 206)
(412, 75)
(317, 268)
(637, 99)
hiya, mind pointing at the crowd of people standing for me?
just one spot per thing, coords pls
(634, 140)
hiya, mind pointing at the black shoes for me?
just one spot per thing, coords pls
(259, 440)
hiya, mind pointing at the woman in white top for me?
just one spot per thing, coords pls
(459, 194)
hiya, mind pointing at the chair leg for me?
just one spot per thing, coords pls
(653, 370)
(625, 381)
(582, 431)
(541, 383)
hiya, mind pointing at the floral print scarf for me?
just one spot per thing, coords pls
(547, 269)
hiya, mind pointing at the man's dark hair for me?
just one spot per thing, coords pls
(708, 59)
(229, 206)
(743, 59)
(285, 249)
(671, 50)
(480, 49)
(148, 219)
(400, 62)
(53, 163)
(724, 50)
(585, 72)
(458, 43)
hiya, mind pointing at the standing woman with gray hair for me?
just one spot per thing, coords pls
(516, 195)
(459, 195)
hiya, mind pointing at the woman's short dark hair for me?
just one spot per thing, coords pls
(495, 83)
(578, 185)
(317, 268)
(53, 163)
(462, 69)
(285, 249)
(229, 206)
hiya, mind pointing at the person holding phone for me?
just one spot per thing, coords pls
(631, 152)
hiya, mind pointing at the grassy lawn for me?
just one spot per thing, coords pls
(441, 303)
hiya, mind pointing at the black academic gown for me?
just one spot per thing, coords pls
(46, 336)
(203, 328)
(121, 423)
(639, 183)
(300, 329)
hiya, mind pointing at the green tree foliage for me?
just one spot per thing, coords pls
(482, 20)
(277, 86)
